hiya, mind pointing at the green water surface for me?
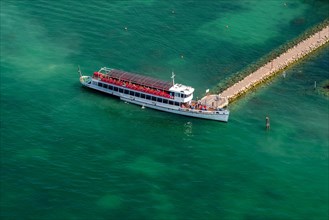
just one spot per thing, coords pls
(71, 153)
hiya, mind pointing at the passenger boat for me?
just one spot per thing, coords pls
(152, 93)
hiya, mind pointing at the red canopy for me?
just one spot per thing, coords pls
(139, 79)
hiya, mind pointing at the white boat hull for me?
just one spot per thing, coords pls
(181, 111)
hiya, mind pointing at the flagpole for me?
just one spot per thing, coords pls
(79, 71)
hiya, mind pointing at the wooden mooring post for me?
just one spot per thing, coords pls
(268, 125)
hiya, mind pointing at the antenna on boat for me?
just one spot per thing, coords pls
(173, 78)
(79, 71)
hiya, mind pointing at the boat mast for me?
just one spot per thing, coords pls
(173, 78)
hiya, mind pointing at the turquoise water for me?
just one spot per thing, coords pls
(70, 153)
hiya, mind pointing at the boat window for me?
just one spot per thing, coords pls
(100, 84)
(148, 97)
(143, 95)
(159, 99)
(110, 87)
(131, 93)
(126, 91)
(154, 98)
(165, 101)
(177, 94)
(120, 90)
(116, 89)
(171, 102)
(137, 94)
(176, 103)
(105, 86)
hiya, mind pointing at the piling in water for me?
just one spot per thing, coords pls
(268, 125)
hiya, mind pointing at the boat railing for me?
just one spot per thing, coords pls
(140, 88)
(200, 111)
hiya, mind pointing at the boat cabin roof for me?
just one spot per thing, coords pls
(179, 88)
(138, 79)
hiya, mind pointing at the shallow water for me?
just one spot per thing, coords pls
(71, 153)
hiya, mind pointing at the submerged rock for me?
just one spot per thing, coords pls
(324, 88)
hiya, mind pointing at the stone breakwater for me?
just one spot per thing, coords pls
(274, 66)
